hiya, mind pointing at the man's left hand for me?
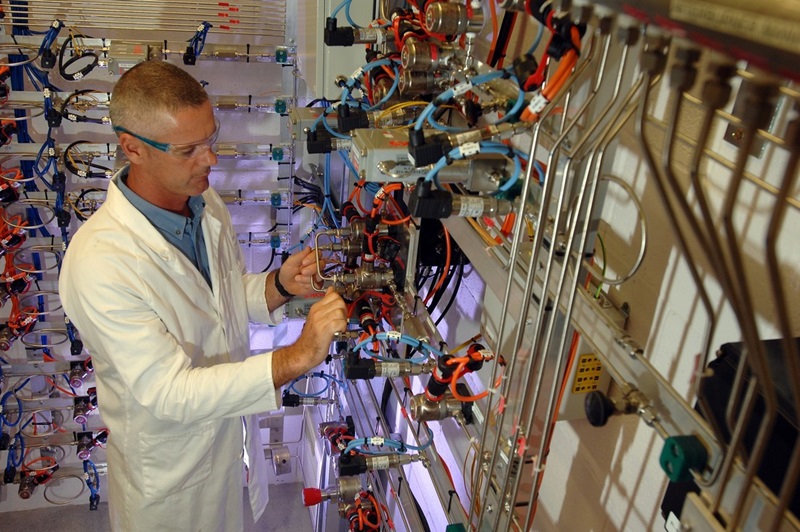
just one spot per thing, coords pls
(298, 274)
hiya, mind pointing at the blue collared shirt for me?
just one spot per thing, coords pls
(184, 233)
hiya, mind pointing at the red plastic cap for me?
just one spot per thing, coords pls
(312, 496)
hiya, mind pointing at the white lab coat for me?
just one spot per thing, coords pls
(173, 367)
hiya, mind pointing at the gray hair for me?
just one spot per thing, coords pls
(148, 95)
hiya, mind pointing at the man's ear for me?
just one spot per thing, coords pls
(134, 149)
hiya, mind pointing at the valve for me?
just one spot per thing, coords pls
(27, 484)
(347, 489)
(8, 193)
(357, 464)
(7, 130)
(14, 239)
(7, 337)
(451, 18)
(424, 409)
(599, 407)
(86, 442)
(426, 56)
(83, 405)
(79, 371)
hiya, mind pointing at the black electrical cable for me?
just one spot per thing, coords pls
(74, 117)
(87, 172)
(448, 276)
(503, 38)
(453, 296)
(80, 73)
(271, 261)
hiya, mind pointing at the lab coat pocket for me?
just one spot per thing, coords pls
(175, 462)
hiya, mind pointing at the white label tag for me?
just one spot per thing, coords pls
(673, 523)
(390, 369)
(471, 206)
(380, 462)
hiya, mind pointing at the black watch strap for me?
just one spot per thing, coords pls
(279, 287)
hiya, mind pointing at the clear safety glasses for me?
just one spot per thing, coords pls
(182, 151)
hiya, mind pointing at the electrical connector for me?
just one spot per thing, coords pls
(189, 57)
(424, 151)
(9, 475)
(48, 59)
(335, 36)
(436, 204)
(350, 118)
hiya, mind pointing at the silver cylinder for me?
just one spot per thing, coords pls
(474, 206)
(419, 56)
(416, 83)
(450, 18)
(381, 88)
(369, 36)
(349, 487)
(423, 409)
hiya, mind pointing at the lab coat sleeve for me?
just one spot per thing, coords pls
(109, 304)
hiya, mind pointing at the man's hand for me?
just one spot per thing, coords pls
(298, 274)
(326, 317)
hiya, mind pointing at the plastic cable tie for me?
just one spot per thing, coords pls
(501, 405)
(469, 149)
(376, 440)
(462, 88)
(538, 103)
(357, 73)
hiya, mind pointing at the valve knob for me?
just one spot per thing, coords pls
(598, 408)
(312, 496)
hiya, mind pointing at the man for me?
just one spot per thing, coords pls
(155, 283)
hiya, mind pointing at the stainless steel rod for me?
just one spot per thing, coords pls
(790, 355)
(512, 358)
(700, 232)
(536, 350)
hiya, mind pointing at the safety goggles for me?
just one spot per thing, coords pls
(182, 151)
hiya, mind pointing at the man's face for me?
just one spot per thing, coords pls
(172, 177)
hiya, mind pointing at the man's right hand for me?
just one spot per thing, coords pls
(326, 317)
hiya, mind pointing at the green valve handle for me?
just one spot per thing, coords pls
(280, 106)
(277, 154)
(458, 527)
(680, 455)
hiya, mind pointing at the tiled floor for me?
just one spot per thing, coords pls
(77, 518)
